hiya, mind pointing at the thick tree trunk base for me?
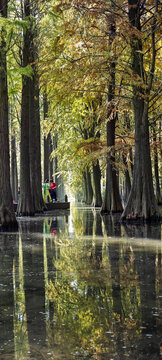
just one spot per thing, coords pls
(40, 211)
(39, 205)
(141, 209)
(136, 219)
(24, 209)
(159, 200)
(8, 220)
(141, 206)
(111, 212)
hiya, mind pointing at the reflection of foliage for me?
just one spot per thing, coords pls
(130, 292)
(20, 326)
(78, 222)
(80, 309)
(20, 319)
(82, 295)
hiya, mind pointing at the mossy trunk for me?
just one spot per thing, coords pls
(7, 215)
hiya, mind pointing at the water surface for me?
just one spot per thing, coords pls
(80, 286)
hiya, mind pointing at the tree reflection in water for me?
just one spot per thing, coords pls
(80, 288)
(7, 253)
(103, 301)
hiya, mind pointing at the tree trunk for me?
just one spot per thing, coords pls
(127, 127)
(51, 160)
(85, 190)
(25, 204)
(7, 214)
(34, 131)
(14, 177)
(112, 200)
(47, 140)
(96, 185)
(35, 149)
(89, 195)
(127, 182)
(156, 171)
(141, 203)
(58, 177)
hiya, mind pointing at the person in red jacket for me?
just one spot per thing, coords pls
(52, 190)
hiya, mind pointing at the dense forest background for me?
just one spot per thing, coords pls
(80, 101)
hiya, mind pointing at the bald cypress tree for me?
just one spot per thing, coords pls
(25, 205)
(112, 201)
(141, 203)
(31, 199)
(7, 215)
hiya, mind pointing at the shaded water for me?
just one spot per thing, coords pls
(80, 286)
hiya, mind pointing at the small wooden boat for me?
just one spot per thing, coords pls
(58, 205)
(52, 206)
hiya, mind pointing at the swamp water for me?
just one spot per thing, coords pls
(75, 285)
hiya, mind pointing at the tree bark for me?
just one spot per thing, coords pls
(25, 204)
(96, 185)
(127, 181)
(58, 177)
(34, 141)
(112, 200)
(89, 189)
(141, 203)
(85, 190)
(47, 140)
(14, 176)
(156, 171)
(7, 215)
(34, 129)
(51, 164)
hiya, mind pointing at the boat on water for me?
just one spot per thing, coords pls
(52, 205)
(58, 205)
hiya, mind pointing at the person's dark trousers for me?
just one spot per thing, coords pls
(53, 194)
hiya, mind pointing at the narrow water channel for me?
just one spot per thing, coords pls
(75, 285)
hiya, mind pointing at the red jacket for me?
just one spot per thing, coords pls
(53, 185)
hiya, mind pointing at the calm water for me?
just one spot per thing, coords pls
(80, 286)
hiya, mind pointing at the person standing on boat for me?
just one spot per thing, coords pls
(52, 190)
(46, 194)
